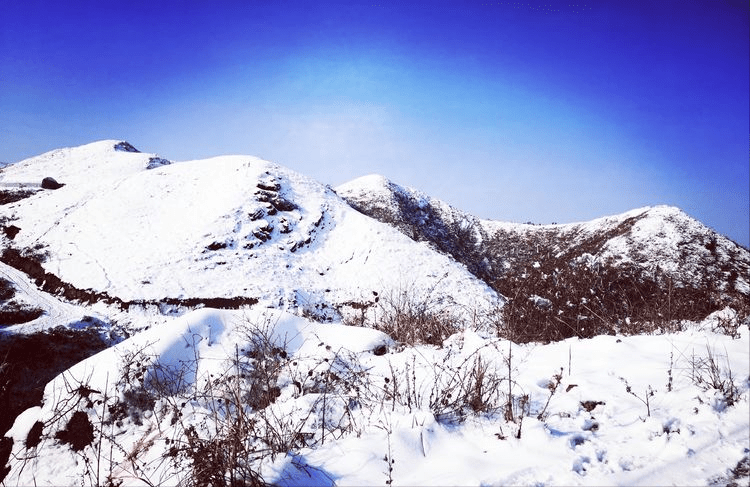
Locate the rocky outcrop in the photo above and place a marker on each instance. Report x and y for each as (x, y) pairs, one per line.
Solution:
(154, 162)
(125, 147)
(50, 183)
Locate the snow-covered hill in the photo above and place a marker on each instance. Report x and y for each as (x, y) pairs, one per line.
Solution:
(129, 231)
(648, 264)
(660, 236)
(218, 396)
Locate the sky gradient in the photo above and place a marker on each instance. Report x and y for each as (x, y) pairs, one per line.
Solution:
(517, 111)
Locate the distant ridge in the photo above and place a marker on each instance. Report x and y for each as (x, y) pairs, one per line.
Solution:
(652, 264)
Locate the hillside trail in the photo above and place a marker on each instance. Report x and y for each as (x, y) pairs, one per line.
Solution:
(56, 312)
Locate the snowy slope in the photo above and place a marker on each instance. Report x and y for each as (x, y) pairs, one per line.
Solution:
(662, 236)
(232, 226)
(344, 414)
(54, 311)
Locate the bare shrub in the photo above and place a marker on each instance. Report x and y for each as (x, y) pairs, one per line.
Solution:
(645, 398)
(708, 373)
(221, 449)
(456, 387)
(553, 300)
(552, 387)
(413, 317)
(729, 320)
(473, 387)
(243, 423)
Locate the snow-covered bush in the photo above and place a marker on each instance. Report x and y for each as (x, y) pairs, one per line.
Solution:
(708, 373)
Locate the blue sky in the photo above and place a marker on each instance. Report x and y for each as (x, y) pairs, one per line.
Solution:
(520, 111)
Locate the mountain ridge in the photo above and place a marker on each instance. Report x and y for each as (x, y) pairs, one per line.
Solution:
(159, 224)
(632, 263)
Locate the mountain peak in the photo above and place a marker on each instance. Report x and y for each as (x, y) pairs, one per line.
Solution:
(371, 181)
(85, 166)
(370, 186)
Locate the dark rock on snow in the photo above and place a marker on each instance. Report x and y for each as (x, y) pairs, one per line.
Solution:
(154, 162)
(50, 183)
(125, 147)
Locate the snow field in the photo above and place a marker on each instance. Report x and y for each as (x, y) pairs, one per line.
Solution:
(351, 404)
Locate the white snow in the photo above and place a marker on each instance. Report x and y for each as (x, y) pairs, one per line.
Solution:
(55, 310)
(688, 435)
(23, 423)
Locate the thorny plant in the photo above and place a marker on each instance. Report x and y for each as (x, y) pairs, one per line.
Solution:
(707, 373)
(457, 387)
(552, 387)
(388, 457)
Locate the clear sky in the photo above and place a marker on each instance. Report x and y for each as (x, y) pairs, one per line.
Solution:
(520, 111)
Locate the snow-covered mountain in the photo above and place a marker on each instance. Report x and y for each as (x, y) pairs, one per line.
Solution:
(645, 263)
(229, 321)
(651, 237)
(226, 231)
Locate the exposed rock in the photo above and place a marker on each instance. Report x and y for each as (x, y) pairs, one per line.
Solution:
(216, 246)
(263, 233)
(50, 183)
(284, 225)
(283, 204)
(154, 162)
(269, 185)
(125, 147)
(276, 201)
(11, 231)
(257, 214)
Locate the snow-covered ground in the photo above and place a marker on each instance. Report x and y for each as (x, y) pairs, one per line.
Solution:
(343, 407)
(55, 310)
